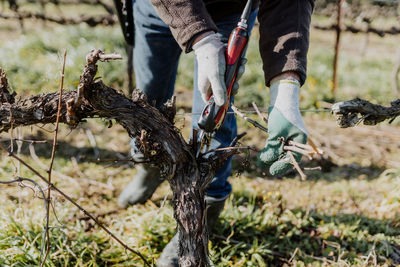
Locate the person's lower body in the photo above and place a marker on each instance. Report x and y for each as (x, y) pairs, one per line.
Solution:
(156, 56)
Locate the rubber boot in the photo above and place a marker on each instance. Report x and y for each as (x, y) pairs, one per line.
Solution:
(169, 256)
(142, 187)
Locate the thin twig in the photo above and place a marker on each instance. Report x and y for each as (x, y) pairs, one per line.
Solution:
(116, 160)
(301, 145)
(259, 113)
(304, 149)
(298, 150)
(318, 168)
(53, 153)
(92, 21)
(12, 131)
(112, 56)
(21, 179)
(229, 148)
(393, 30)
(296, 165)
(253, 122)
(261, 110)
(28, 141)
(314, 147)
(293, 254)
(237, 138)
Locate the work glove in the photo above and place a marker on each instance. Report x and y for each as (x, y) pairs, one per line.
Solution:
(284, 124)
(210, 56)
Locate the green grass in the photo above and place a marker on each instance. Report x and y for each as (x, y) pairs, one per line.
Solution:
(33, 61)
(367, 76)
(347, 216)
(258, 227)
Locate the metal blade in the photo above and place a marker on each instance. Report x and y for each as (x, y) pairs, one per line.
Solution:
(204, 141)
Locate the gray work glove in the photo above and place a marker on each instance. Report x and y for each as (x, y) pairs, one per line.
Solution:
(210, 56)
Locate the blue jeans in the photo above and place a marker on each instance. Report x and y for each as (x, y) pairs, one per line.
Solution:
(156, 56)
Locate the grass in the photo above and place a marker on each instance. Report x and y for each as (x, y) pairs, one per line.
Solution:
(348, 216)
(43, 52)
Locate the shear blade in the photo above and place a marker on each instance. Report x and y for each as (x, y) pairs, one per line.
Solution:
(205, 141)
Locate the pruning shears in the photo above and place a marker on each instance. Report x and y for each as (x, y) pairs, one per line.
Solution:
(213, 115)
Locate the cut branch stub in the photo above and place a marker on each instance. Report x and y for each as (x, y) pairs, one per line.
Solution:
(90, 71)
(5, 96)
(351, 113)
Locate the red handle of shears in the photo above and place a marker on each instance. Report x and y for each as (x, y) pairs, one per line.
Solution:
(213, 115)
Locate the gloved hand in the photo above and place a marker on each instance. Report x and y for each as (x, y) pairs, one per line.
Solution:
(210, 55)
(284, 123)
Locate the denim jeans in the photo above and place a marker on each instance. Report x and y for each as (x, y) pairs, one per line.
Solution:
(156, 56)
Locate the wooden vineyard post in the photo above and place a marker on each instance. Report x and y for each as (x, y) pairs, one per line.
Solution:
(337, 46)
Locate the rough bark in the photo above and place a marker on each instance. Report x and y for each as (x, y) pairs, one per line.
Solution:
(156, 136)
(5, 96)
(351, 113)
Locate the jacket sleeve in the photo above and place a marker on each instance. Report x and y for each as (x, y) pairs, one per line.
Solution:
(186, 18)
(284, 36)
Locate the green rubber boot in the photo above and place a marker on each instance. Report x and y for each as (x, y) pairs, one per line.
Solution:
(169, 256)
(142, 187)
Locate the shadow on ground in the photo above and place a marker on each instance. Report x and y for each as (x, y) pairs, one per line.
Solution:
(246, 164)
(67, 150)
